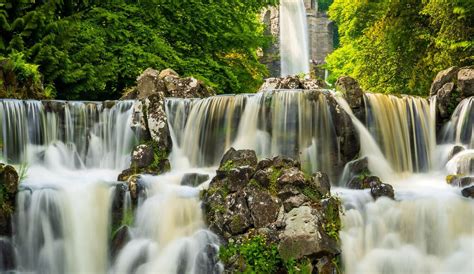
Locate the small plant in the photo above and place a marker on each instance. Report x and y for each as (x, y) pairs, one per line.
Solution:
(227, 166)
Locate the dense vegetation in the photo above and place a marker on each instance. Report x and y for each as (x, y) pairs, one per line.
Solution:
(93, 49)
(399, 46)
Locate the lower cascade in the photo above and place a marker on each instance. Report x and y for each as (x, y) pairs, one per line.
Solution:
(238, 164)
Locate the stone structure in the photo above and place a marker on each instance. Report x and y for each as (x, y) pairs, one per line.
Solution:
(321, 33)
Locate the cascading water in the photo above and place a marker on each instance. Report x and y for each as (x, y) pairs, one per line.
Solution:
(285, 122)
(294, 43)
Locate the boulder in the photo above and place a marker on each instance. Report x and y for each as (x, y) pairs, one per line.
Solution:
(157, 122)
(142, 156)
(193, 179)
(290, 82)
(302, 236)
(468, 192)
(455, 150)
(351, 91)
(237, 218)
(9, 181)
(466, 82)
(445, 99)
(382, 190)
(443, 77)
(233, 158)
(263, 207)
(147, 84)
(322, 183)
(167, 72)
(377, 188)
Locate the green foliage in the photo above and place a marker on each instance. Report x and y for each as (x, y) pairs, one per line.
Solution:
(258, 256)
(91, 49)
(276, 173)
(227, 166)
(399, 46)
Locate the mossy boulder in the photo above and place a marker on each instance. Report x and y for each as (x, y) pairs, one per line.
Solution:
(9, 181)
(248, 199)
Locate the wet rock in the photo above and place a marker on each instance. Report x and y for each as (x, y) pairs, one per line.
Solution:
(7, 256)
(443, 77)
(138, 121)
(468, 192)
(142, 156)
(445, 99)
(118, 203)
(455, 150)
(351, 91)
(237, 217)
(237, 178)
(9, 181)
(157, 122)
(322, 183)
(466, 81)
(459, 180)
(263, 207)
(236, 158)
(382, 190)
(290, 82)
(313, 84)
(302, 236)
(120, 238)
(194, 179)
(270, 84)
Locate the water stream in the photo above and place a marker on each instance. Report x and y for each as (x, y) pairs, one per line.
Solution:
(75, 150)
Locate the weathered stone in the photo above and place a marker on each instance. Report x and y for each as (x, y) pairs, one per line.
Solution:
(351, 91)
(382, 190)
(237, 178)
(236, 158)
(138, 121)
(118, 203)
(167, 72)
(270, 84)
(324, 265)
(322, 183)
(146, 83)
(263, 207)
(443, 77)
(294, 202)
(466, 82)
(237, 218)
(9, 181)
(194, 179)
(157, 122)
(290, 82)
(468, 192)
(292, 176)
(312, 84)
(142, 156)
(119, 240)
(302, 236)
(445, 100)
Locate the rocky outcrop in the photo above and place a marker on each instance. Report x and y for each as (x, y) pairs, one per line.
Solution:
(353, 94)
(450, 87)
(377, 188)
(275, 200)
(291, 82)
(169, 84)
(9, 181)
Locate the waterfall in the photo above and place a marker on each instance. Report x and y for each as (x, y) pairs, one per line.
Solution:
(297, 124)
(294, 43)
(403, 129)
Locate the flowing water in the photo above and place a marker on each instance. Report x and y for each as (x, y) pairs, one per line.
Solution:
(75, 151)
(294, 42)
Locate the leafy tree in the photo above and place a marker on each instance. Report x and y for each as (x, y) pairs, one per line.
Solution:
(399, 46)
(91, 49)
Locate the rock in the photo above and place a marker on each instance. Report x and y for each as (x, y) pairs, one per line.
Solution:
(157, 122)
(9, 181)
(443, 77)
(381, 190)
(142, 156)
(118, 204)
(168, 72)
(270, 84)
(237, 178)
(468, 192)
(263, 207)
(445, 100)
(237, 218)
(188, 87)
(322, 183)
(358, 166)
(294, 201)
(302, 236)
(7, 256)
(351, 91)
(313, 84)
(290, 82)
(236, 158)
(120, 238)
(455, 150)
(193, 179)
(324, 265)
(459, 180)
(147, 83)
(466, 81)
(138, 121)
(292, 176)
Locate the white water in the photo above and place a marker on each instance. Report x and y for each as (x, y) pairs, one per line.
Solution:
(294, 43)
(63, 222)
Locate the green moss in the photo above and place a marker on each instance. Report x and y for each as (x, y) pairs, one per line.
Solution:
(311, 193)
(302, 266)
(227, 166)
(275, 174)
(254, 183)
(332, 224)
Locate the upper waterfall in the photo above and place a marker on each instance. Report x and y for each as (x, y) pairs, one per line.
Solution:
(294, 43)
